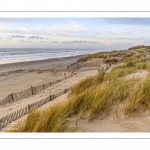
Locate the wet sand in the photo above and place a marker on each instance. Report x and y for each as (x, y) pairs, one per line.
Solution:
(39, 64)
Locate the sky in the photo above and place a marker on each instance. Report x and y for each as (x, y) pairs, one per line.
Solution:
(76, 33)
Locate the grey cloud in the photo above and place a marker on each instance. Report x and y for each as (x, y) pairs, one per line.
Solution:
(124, 38)
(146, 42)
(129, 43)
(43, 42)
(17, 36)
(1, 38)
(35, 37)
(65, 42)
(78, 42)
(55, 42)
(25, 41)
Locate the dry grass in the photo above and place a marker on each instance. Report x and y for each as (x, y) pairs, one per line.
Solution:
(94, 96)
(53, 119)
(132, 53)
(139, 97)
(97, 99)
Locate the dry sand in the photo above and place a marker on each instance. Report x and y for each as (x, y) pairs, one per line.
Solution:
(69, 82)
(139, 122)
(17, 80)
(15, 77)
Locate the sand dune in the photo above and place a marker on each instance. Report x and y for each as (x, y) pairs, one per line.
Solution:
(17, 81)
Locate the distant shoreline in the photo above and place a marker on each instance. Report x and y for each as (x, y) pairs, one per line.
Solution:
(51, 62)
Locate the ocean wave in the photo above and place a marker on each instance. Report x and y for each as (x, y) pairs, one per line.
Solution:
(17, 55)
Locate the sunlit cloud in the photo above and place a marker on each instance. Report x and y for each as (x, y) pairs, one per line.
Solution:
(109, 43)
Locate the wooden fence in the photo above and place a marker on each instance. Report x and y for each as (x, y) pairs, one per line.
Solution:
(33, 90)
(23, 111)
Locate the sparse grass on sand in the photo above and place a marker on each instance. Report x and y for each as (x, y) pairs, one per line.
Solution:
(123, 55)
(94, 97)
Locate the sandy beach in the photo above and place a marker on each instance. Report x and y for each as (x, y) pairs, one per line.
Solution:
(20, 76)
(16, 77)
(51, 63)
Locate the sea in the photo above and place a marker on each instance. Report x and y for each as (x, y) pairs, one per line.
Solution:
(13, 55)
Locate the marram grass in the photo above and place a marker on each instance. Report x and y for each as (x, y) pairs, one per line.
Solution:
(93, 98)
(52, 119)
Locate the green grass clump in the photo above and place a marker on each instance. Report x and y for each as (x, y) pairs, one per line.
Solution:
(143, 66)
(96, 55)
(130, 64)
(127, 55)
(119, 72)
(111, 60)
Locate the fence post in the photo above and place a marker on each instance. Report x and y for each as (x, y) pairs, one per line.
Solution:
(29, 107)
(12, 97)
(32, 90)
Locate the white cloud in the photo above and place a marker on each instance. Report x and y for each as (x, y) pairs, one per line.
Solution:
(24, 30)
(137, 30)
(66, 30)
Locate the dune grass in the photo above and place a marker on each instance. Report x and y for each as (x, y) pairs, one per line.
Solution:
(132, 53)
(97, 99)
(139, 97)
(94, 97)
(52, 119)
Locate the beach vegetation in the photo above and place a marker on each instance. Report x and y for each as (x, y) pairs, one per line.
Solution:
(94, 97)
